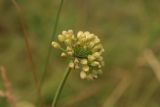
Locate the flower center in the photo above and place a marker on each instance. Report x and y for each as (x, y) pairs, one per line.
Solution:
(81, 52)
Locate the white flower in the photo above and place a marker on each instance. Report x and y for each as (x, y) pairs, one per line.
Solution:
(85, 51)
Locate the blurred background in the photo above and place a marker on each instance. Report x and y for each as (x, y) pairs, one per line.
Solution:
(130, 33)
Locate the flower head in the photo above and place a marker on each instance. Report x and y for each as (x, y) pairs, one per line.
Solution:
(85, 51)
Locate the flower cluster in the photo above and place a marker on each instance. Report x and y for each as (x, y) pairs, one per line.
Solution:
(85, 51)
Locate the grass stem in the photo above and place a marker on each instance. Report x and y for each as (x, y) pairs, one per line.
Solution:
(7, 85)
(29, 52)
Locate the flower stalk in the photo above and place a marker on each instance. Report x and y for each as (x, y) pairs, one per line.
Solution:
(49, 48)
(60, 87)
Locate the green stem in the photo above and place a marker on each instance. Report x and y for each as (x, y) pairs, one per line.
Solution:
(60, 87)
(52, 37)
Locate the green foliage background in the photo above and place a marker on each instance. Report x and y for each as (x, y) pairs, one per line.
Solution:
(126, 27)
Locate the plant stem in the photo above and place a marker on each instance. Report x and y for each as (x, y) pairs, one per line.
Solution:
(7, 85)
(49, 46)
(29, 52)
(60, 87)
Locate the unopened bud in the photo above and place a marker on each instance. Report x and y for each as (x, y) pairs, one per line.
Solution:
(63, 54)
(84, 61)
(71, 65)
(70, 53)
(86, 68)
(55, 45)
(95, 63)
(61, 38)
(83, 75)
(91, 58)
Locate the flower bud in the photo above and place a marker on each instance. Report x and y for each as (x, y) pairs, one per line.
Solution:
(97, 48)
(70, 53)
(90, 37)
(63, 54)
(100, 58)
(99, 72)
(86, 33)
(79, 34)
(69, 48)
(91, 44)
(97, 40)
(76, 61)
(85, 68)
(97, 54)
(91, 58)
(68, 42)
(77, 66)
(55, 45)
(84, 61)
(68, 36)
(83, 75)
(71, 65)
(70, 31)
(61, 38)
(64, 32)
(95, 63)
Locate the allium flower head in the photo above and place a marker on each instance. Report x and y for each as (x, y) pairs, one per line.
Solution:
(85, 51)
